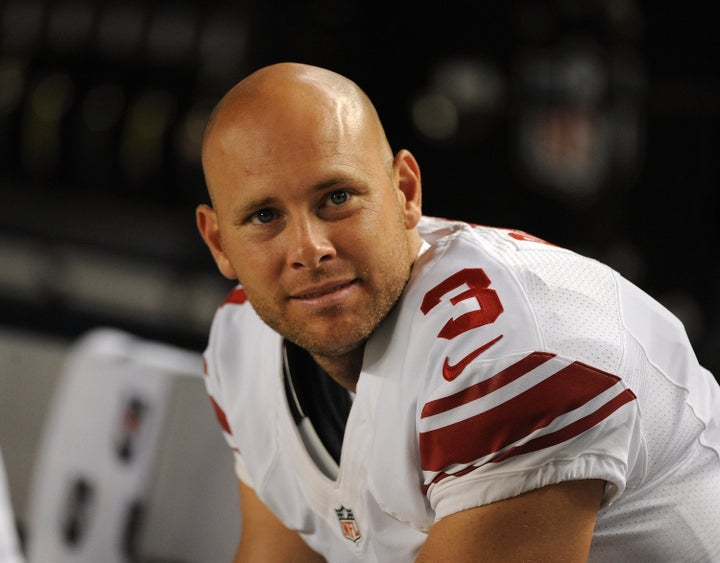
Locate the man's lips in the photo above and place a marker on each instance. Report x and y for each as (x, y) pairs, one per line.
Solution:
(317, 291)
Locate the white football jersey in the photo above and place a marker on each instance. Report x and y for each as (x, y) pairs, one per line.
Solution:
(509, 364)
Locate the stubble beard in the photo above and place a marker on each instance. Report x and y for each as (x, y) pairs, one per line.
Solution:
(339, 331)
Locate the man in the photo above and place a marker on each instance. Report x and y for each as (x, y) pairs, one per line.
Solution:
(398, 387)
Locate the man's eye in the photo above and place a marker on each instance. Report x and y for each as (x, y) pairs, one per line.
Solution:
(264, 216)
(338, 197)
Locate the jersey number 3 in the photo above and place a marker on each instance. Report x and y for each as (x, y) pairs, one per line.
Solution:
(478, 284)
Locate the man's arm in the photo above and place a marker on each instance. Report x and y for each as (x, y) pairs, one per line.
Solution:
(553, 523)
(264, 538)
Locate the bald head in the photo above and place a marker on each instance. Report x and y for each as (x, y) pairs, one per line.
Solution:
(289, 82)
(290, 106)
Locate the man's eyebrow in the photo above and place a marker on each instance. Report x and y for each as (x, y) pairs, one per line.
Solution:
(332, 182)
(241, 211)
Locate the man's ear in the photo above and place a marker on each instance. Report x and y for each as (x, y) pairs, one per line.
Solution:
(409, 183)
(207, 223)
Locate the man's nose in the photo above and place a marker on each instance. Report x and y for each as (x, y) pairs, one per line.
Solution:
(309, 243)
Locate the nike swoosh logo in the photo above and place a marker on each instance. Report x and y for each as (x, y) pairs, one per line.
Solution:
(451, 372)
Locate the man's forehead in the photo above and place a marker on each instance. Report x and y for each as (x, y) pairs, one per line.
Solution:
(263, 149)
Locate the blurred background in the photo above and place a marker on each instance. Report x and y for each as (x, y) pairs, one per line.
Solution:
(594, 125)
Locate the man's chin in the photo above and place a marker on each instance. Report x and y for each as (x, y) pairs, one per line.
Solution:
(328, 337)
(334, 350)
(333, 344)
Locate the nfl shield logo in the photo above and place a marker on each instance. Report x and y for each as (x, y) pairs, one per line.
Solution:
(347, 523)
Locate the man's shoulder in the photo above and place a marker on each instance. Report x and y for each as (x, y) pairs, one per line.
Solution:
(234, 316)
(478, 284)
(513, 245)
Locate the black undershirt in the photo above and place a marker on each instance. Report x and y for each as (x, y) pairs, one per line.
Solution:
(319, 397)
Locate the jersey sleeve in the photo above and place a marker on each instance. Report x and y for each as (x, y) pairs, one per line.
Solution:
(214, 388)
(523, 379)
(532, 421)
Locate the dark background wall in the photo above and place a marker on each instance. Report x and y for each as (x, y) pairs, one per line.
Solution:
(594, 125)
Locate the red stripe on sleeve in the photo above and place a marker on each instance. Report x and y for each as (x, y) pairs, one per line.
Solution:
(516, 418)
(571, 430)
(220, 415)
(508, 375)
(552, 439)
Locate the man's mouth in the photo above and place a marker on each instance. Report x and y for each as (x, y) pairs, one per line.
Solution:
(318, 291)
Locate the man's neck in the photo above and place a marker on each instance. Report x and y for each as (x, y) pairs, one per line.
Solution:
(344, 369)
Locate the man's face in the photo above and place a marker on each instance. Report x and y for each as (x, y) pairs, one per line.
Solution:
(315, 228)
